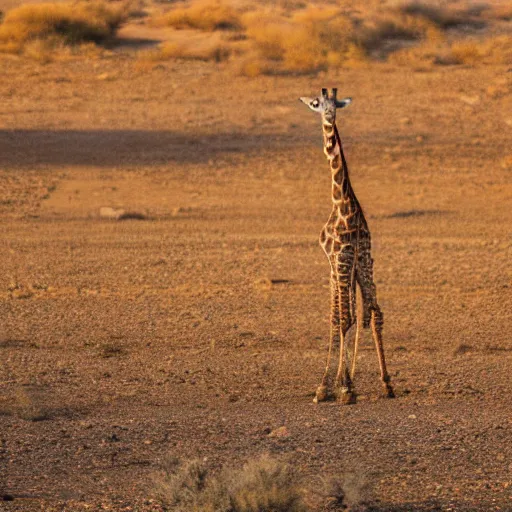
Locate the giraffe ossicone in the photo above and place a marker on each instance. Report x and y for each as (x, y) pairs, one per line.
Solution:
(346, 241)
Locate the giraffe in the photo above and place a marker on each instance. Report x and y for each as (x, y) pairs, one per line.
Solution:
(346, 241)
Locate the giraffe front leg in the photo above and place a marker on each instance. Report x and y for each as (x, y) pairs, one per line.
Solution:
(324, 391)
(345, 265)
(356, 345)
(343, 388)
(377, 322)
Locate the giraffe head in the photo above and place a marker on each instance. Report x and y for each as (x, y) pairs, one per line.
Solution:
(326, 104)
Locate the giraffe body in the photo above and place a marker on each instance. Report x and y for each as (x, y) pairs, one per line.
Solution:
(346, 242)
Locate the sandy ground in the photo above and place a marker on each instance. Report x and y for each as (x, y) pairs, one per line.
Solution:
(199, 330)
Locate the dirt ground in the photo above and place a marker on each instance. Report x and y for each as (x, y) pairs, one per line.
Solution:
(202, 328)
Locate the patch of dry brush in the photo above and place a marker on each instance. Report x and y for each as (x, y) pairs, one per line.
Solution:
(261, 485)
(34, 28)
(207, 15)
(300, 38)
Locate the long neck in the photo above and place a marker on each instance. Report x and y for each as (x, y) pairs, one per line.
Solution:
(341, 187)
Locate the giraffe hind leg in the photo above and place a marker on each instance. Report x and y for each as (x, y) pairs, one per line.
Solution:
(356, 345)
(377, 322)
(359, 327)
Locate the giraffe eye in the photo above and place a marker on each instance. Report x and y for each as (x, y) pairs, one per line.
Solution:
(315, 103)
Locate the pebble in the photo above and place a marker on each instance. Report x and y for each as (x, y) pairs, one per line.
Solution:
(279, 432)
(106, 212)
(470, 100)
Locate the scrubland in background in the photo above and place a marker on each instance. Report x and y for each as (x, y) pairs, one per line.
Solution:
(268, 38)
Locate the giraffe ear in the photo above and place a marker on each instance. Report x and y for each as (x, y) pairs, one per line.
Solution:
(343, 103)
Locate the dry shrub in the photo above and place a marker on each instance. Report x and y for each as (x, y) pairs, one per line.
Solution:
(396, 26)
(497, 50)
(207, 51)
(500, 12)
(493, 50)
(464, 52)
(312, 39)
(252, 65)
(348, 491)
(443, 17)
(268, 31)
(419, 58)
(320, 37)
(54, 25)
(261, 485)
(207, 15)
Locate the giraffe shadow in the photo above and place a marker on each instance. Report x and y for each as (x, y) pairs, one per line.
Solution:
(110, 148)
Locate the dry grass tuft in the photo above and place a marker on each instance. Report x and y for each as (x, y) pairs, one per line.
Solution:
(261, 485)
(207, 15)
(493, 50)
(40, 28)
(208, 51)
(346, 492)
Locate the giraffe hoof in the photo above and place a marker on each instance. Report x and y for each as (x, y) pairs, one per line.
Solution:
(388, 391)
(348, 398)
(345, 396)
(321, 394)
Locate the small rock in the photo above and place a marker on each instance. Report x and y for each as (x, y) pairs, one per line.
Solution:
(180, 210)
(22, 294)
(506, 163)
(412, 416)
(470, 100)
(106, 212)
(279, 432)
(106, 76)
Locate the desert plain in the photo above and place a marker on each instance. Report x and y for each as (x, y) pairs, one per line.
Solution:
(196, 325)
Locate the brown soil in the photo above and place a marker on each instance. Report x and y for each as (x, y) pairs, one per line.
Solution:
(201, 328)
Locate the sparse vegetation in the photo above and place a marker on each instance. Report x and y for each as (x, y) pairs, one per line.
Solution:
(210, 50)
(289, 37)
(261, 485)
(444, 17)
(207, 15)
(493, 50)
(294, 37)
(35, 29)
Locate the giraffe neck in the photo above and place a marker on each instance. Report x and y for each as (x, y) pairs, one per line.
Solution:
(341, 187)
